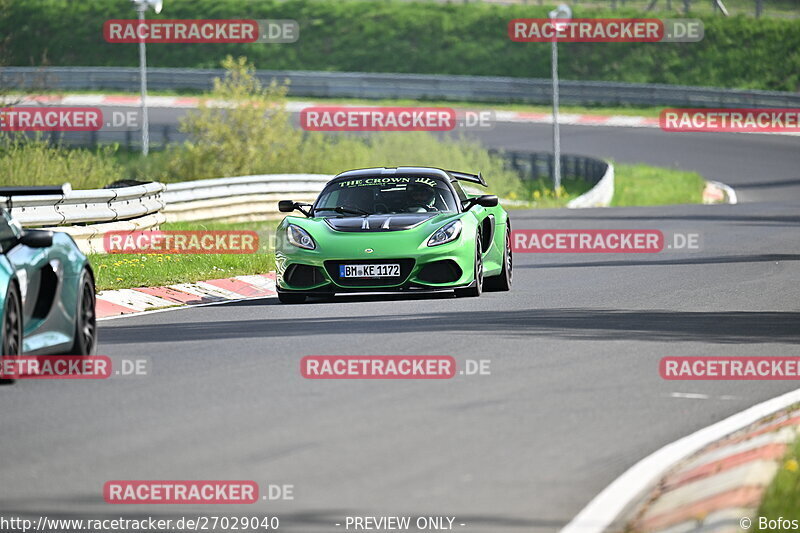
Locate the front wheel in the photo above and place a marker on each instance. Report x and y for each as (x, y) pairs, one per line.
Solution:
(477, 289)
(502, 282)
(85, 340)
(11, 327)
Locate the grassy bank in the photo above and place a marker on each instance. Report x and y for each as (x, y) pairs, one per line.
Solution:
(122, 271)
(782, 496)
(643, 185)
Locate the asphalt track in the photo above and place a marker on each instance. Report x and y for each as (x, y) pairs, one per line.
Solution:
(574, 396)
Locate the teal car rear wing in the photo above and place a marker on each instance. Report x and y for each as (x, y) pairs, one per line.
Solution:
(7, 193)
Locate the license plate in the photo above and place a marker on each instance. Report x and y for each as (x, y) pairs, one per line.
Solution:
(369, 271)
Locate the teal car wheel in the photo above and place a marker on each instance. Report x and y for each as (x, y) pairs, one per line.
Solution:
(12, 325)
(85, 342)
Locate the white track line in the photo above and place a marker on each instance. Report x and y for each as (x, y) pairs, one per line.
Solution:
(607, 506)
(690, 395)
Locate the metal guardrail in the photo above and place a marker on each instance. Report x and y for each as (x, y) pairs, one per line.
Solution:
(88, 206)
(88, 214)
(243, 197)
(597, 172)
(240, 198)
(538, 165)
(406, 86)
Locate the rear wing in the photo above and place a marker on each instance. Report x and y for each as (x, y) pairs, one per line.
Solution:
(472, 178)
(7, 193)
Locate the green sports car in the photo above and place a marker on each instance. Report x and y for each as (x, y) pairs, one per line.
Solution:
(404, 229)
(47, 295)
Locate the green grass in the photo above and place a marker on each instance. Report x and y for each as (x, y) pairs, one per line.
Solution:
(782, 497)
(122, 271)
(643, 185)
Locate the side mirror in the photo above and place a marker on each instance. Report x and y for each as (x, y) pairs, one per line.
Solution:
(486, 200)
(286, 206)
(36, 238)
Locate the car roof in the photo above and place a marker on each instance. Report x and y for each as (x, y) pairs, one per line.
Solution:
(395, 171)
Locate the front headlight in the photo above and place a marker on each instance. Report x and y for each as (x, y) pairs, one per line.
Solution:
(300, 237)
(447, 233)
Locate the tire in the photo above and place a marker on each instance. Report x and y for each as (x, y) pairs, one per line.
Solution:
(12, 327)
(472, 292)
(85, 339)
(502, 282)
(291, 298)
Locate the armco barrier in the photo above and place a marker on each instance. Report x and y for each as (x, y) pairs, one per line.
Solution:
(597, 172)
(240, 198)
(88, 206)
(404, 86)
(88, 214)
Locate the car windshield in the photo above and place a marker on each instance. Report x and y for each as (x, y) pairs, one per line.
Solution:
(386, 195)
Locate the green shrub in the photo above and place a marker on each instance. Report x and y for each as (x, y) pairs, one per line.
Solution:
(35, 162)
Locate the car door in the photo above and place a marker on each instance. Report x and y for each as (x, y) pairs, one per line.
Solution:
(39, 281)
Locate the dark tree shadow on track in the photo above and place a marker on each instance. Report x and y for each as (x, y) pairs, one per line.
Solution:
(722, 327)
(725, 259)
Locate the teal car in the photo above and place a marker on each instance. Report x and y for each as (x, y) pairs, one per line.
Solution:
(404, 229)
(47, 292)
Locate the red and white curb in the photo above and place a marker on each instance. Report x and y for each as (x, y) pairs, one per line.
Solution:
(122, 302)
(608, 510)
(529, 117)
(720, 485)
(194, 102)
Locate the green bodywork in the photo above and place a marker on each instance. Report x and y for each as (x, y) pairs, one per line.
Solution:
(489, 224)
